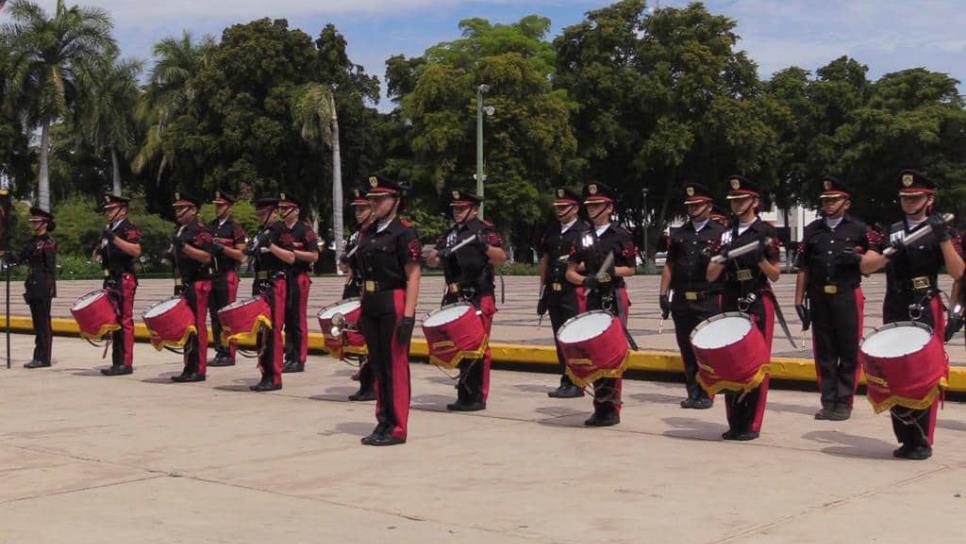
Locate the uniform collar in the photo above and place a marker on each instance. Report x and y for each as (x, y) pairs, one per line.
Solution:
(381, 226)
(698, 227)
(601, 229)
(565, 227)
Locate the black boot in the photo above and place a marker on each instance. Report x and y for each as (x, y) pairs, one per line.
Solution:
(603, 419)
(222, 359)
(188, 376)
(36, 364)
(293, 366)
(119, 370)
(567, 390)
(266, 385)
(363, 395)
(841, 412)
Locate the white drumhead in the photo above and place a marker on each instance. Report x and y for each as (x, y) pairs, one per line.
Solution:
(162, 307)
(238, 304)
(342, 307)
(87, 300)
(446, 314)
(896, 341)
(584, 327)
(721, 332)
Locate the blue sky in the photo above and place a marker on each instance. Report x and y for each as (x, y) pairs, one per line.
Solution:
(886, 35)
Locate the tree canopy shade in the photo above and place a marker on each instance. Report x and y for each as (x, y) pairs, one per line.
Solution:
(528, 139)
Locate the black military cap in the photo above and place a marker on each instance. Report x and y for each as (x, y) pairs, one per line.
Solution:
(834, 188)
(696, 193)
(741, 187)
(566, 197)
(287, 200)
(266, 202)
(114, 201)
(381, 186)
(913, 183)
(359, 198)
(184, 199)
(465, 198)
(39, 214)
(221, 197)
(597, 192)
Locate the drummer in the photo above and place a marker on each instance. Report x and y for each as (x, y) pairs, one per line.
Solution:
(389, 254)
(558, 297)
(694, 298)
(305, 247)
(192, 279)
(912, 290)
(603, 289)
(272, 251)
(227, 250)
(39, 253)
(828, 296)
(747, 289)
(118, 251)
(469, 273)
(349, 265)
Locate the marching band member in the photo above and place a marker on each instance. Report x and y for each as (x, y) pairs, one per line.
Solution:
(912, 291)
(305, 247)
(272, 250)
(228, 251)
(694, 297)
(192, 268)
(349, 264)
(603, 289)
(389, 254)
(746, 288)
(118, 251)
(829, 278)
(40, 287)
(469, 278)
(558, 297)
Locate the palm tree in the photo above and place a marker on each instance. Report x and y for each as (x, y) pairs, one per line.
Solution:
(314, 111)
(168, 95)
(107, 116)
(51, 56)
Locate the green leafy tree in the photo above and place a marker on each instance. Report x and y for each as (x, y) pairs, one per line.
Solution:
(50, 56)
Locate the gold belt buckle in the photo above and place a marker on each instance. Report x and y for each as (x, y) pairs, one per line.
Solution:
(261, 276)
(370, 286)
(453, 288)
(691, 295)
(744, 274)
(557, 286)
(830, 289)
(920, 282)
(177, 281)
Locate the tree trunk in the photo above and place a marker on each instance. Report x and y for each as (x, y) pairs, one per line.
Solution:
(43, 174)
(117, 171)
(336, 184)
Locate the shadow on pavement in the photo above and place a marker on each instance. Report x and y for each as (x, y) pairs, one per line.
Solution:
(851, 445)
(689, 427)
(335, 394)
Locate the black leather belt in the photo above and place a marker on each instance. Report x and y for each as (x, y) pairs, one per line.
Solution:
(918, 284)
(371, 286)
(694, 296)
(833, 288)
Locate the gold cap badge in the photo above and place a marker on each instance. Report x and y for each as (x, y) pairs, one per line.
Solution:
(281, 196)
(827, 184)
(735, 184)
(373, 181)
(592, 188)
(560, 193)
(689, 190)
(177, 196)
(456, 195)
(907, 180)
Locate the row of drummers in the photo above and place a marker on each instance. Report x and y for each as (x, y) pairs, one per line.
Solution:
(716, 285)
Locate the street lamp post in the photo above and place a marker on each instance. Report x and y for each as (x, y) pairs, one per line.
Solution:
(479, 142)
(644, 225)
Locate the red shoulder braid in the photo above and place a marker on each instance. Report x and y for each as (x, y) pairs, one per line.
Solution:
(406, 223)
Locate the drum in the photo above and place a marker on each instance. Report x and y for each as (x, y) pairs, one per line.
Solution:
(241, 320)
(593, 346)
(170, 323)
(905, 365)
(351, 341)
(453, 333)
(731, 351)
(95, 314)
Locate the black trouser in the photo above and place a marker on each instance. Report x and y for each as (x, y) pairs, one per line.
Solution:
(746, 411)
(381, 313)
(40, 314)
(562, 306)
(914, 427)
(474, 381)
(836, 331)
(687, 314)
(353, 289)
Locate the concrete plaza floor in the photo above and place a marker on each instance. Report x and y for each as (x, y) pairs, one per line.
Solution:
(90, 459)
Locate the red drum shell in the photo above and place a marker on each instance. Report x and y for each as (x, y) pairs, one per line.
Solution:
(241, 320)
(352, 341)
(454, 333)
(170, 323)
(95, 314)
(736, 358)
(911, 380)
(590, 355)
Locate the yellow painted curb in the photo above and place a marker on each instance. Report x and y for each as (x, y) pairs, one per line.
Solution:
(782, 368)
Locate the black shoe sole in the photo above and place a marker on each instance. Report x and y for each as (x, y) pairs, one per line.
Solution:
(362, 398)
